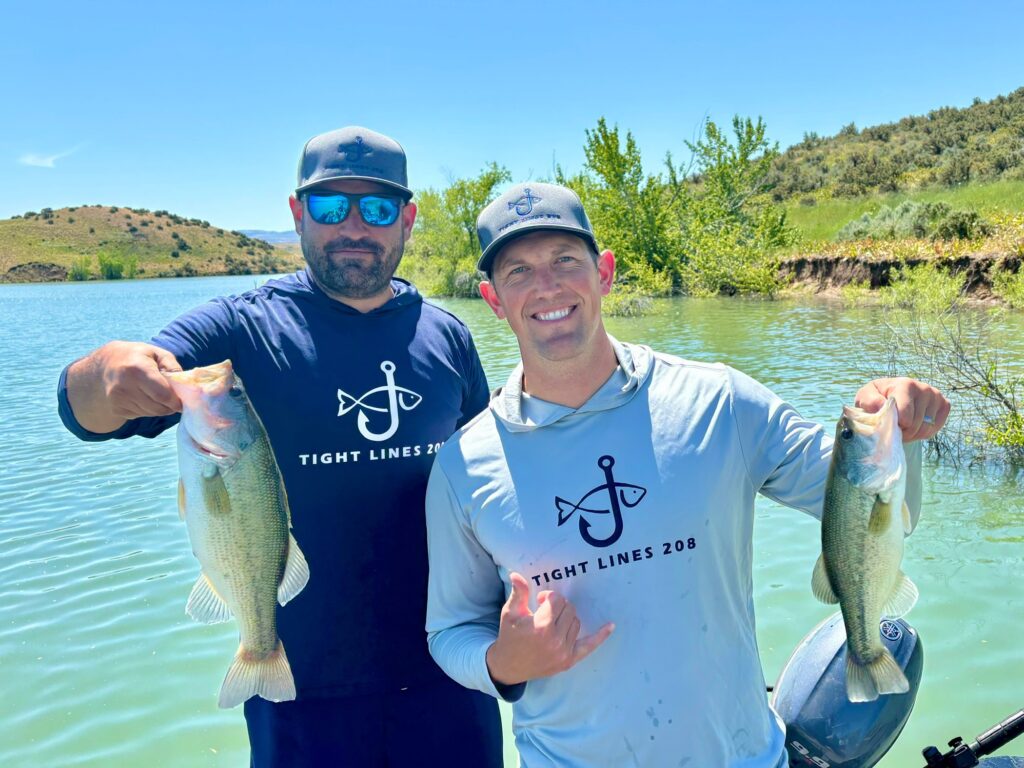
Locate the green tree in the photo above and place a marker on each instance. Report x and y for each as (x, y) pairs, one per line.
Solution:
(442, 254)
(731, 230)
(630, 211)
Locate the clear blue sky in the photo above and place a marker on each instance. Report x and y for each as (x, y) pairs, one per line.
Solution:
(202, 108)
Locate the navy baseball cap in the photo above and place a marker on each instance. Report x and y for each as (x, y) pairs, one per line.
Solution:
(353, 153)
(528, 208)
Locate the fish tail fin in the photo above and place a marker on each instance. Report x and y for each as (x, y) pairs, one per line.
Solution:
(269, 677)
(882, 675)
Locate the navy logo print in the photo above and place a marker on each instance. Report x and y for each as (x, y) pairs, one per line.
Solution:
(617, 495)
(525, 203)
(355, 152)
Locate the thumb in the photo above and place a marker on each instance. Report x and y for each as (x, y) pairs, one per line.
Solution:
(519, 600)
(165, 361)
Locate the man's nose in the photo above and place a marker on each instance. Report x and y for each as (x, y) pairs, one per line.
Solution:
(547, 280)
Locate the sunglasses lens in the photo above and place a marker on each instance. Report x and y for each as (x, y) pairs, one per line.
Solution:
(328, 209)
(379, 211)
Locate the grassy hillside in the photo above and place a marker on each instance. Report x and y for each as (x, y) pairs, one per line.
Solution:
(78, 242)
(824, 219)
(947, 147)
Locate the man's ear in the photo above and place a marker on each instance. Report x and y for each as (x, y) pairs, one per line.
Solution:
(488, 294)
(296, 205)
(606, 271)
(408, 218)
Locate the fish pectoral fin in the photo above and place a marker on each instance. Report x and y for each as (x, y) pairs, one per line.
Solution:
(215, 494)
(269, 677)
(821, 585)
(881, 517)
(902, 599)
(908, 526)
(205, 605)
(296, 573)
(181, 498)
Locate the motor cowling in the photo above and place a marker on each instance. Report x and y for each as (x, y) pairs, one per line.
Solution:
(824, 729)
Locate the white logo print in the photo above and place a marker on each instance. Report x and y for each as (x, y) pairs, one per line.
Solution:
(398, 397)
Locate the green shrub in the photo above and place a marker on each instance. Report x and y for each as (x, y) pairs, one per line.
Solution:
(80, 268)
(923, 288)
(111, 267)
(961, 225)
(1009, 287)
(626, 300)
(937, 221)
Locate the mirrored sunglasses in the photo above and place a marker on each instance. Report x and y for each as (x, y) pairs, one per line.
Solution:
(333, 208)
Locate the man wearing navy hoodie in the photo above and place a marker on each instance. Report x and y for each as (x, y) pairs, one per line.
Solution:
(358, 381)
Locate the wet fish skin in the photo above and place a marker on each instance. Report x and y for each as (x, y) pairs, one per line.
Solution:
(863, 525)
(234, 504)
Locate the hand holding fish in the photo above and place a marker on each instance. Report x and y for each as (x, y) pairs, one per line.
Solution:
(541, 643)
(119, 381)
(922, 408)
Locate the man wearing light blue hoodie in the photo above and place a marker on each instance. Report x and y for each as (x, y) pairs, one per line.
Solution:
(590, 532)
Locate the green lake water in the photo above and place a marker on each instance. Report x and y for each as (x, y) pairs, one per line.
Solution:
(99, 665)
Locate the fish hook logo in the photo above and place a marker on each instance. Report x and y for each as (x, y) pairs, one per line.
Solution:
(525, 203)
(397, 398)
(619, 495)
(355, 152)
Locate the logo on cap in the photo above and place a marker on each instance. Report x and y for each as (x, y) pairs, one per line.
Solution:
(355, 152)
(525, 203)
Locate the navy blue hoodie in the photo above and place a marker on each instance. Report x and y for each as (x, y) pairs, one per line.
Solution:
(356, 406)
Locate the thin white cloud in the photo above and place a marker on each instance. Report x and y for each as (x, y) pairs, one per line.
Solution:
(45, 161)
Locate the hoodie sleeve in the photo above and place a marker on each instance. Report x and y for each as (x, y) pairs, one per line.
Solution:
(787, 456)
(465, 594)
(476, 391)
(198, 337)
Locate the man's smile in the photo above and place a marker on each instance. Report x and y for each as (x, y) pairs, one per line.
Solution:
(553, 315)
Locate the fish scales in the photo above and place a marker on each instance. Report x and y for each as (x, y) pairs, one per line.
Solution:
(864, 522)
(235, 507)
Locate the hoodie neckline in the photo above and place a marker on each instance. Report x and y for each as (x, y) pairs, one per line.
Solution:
(635, 363)
(405, 295)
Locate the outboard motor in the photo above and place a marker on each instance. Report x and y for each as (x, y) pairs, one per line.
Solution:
(824, 729)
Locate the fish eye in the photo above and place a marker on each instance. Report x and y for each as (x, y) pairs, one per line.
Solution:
(846, 434)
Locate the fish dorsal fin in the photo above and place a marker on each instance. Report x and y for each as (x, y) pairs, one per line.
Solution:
(205, 605)
(296, 573)
(881, 517)
(820, 583)
(908, 525)
(904, 596)
(215, 494)
(181, 498)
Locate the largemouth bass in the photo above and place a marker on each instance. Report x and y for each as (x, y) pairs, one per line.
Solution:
(863, 524)
(233, 501)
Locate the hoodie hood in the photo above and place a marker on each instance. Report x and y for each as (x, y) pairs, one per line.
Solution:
(635, 364)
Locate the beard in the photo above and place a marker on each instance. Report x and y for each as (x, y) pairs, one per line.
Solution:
(352, 278)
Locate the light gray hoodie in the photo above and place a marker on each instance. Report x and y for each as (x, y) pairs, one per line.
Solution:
(638, 508)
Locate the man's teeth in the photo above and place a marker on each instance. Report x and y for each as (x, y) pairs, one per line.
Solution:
(558, 314)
